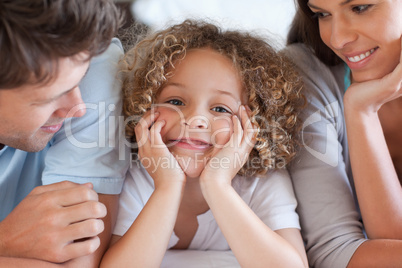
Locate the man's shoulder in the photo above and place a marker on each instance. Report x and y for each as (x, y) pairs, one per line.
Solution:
(102, 82)
(113, 52)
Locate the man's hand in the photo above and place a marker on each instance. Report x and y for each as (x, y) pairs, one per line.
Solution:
(54, 223)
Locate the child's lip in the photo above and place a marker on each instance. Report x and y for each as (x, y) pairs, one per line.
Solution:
(191, 143)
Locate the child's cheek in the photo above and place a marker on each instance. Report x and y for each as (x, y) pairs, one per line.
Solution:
(221, 130)
(171, 116)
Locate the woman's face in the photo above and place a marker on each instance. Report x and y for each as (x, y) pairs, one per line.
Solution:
(366, 34)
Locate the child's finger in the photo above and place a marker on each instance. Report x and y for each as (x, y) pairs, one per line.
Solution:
(142, 128)
(249, 139)
(237, 131)
(248, 127)
(155, 132)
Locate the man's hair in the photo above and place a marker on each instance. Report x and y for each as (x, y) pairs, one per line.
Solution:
(304, 29)
(36, 34)
(272, 85)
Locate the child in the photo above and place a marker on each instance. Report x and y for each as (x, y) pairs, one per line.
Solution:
(203, 182)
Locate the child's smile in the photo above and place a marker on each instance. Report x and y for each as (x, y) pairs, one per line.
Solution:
(192, 144)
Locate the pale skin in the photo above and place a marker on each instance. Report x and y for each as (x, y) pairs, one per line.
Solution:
(186, 190)
(59, 223)
(373, 116)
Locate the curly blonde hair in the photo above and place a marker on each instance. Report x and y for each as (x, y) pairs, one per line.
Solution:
(272, 85)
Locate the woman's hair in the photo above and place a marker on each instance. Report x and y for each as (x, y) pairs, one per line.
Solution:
(36, 34)
(271, 83)
(304, 29)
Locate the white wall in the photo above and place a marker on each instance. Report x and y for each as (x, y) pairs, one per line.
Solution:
(269, 17)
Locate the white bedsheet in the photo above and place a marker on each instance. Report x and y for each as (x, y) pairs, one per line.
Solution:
(199, 259)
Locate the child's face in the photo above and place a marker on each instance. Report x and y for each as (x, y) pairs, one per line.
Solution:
(197, 103)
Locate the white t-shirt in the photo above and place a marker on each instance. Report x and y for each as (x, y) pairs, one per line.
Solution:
(270, 196)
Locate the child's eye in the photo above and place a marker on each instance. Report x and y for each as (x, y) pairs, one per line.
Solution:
(220, 109)
(360, 9)
(175, 102)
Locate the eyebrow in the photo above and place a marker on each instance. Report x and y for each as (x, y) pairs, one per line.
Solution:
(63, 93)
(173, 84)
(225, 92)
(341, 4)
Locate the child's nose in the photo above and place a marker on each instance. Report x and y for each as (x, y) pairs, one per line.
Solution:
(197, 122)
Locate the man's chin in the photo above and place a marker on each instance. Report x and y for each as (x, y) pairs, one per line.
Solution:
(32, 146)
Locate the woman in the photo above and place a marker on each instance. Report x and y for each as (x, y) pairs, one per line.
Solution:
(335, 44)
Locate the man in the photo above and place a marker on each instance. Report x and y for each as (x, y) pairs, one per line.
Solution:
(51, 53)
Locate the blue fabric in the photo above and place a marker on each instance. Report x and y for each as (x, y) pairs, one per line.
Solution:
(347, 81)
(20, 172)
(85, 149)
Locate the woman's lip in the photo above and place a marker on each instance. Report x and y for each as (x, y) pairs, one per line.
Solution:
(52, 128)
(359, 60)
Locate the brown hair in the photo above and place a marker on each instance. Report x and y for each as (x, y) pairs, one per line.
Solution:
(304, 29)
(35, 34)
(272, 84)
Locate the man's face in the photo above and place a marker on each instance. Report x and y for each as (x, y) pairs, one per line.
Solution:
(31, 114)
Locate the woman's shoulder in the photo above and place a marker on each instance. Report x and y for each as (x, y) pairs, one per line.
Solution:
(323, 81)
(305, 60)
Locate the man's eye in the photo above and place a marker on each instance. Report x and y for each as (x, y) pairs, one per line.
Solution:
(220, 110)
(175, 102)
(360, 9)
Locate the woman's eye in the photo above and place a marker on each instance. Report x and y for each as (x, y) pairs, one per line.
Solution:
(220, 110)
(175, 102)
(320, 15)
(360, 8)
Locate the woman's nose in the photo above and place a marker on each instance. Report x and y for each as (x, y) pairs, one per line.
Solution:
(342, 33)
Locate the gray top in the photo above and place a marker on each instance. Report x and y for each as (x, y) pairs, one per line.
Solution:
(321, 173)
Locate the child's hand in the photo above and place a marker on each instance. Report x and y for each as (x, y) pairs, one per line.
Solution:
(369, 96)
(227, 161)
(153, 151)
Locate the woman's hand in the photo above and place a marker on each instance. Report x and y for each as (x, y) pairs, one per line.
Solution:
(373, 170)
(153, 152)
(369, 96)
(228, 160)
